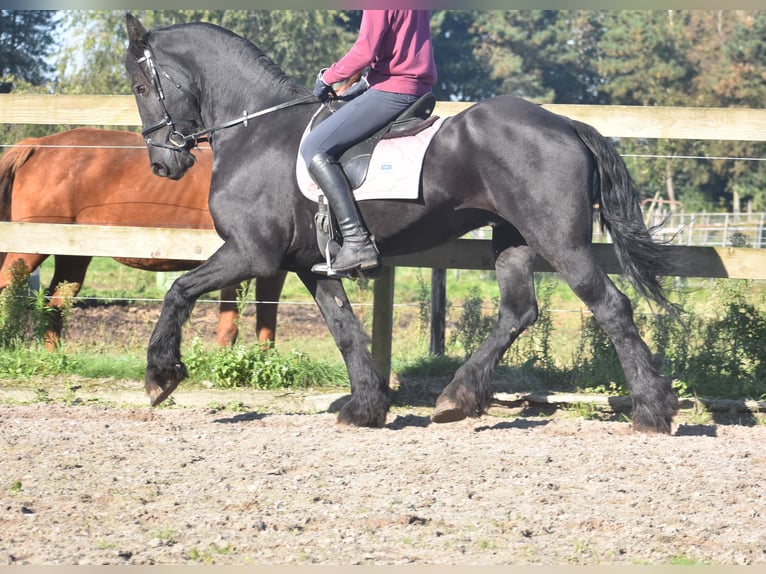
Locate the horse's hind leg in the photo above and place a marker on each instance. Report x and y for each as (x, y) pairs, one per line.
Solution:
(69, 270)
(228, 316)
(267, 293)
(470, 392)
(654, 401)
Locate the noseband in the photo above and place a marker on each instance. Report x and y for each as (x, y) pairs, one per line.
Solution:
(177, 140)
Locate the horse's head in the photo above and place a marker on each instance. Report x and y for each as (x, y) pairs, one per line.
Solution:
(168, 108)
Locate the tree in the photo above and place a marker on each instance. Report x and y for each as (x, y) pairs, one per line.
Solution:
(463, 75)
(25, 41)
(299, 41)
(543, 55)
(646, 62)
(739, 80)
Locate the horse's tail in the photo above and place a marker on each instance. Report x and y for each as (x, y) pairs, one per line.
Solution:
(10, 163)
(642, 259)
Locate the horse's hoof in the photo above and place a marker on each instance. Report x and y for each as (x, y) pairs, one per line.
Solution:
(157, 394)
(157, 391)
(447, 412)
(660, 428)
(353, 415)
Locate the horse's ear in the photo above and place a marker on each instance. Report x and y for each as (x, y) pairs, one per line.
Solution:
(136, 35)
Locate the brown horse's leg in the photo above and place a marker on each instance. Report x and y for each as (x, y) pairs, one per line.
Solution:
(30, 261)
(228, 316)
(267, 293)
(69, 270)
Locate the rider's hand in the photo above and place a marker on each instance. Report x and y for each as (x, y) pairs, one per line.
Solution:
(321, 90)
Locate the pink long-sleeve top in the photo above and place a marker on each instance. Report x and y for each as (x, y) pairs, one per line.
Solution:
(396, 45)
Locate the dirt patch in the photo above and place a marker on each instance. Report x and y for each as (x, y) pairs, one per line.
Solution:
(281, 482)
(132, 485)
(93, 325)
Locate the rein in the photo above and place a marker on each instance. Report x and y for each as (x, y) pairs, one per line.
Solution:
(241, 120)
(178, 140)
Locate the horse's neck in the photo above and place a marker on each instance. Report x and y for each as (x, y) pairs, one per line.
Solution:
(244, 81)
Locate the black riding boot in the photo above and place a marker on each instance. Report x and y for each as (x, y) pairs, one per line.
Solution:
(358, 251)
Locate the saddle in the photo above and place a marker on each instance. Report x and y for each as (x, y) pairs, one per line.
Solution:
(355, 161)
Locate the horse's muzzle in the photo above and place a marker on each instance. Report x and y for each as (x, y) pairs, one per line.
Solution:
(173, 167)
(162, 170)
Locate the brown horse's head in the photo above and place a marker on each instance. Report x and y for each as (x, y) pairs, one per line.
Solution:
(156, 92)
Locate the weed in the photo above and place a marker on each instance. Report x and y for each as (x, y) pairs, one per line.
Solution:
(26, 316)
(16, 487)
(165, 534)
(682, 560)
(70, 398)
(207, 555)
(473, 327)
(586, 411)
(254, 366)
(41, 395)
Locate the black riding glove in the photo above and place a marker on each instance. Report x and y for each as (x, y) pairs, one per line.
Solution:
(321, 90)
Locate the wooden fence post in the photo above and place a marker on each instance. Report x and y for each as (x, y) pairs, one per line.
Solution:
(383, 320)
(438, 310)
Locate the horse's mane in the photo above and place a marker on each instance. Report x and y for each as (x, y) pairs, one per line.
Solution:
(247, 55)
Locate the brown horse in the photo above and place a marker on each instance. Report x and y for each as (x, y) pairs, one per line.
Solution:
(94, 176)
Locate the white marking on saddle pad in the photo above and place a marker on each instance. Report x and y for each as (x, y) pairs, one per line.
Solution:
(394, 171)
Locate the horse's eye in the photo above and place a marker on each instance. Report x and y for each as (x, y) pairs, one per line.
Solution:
(141, 89)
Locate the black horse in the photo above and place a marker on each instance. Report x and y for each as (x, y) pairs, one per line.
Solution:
(532, 175)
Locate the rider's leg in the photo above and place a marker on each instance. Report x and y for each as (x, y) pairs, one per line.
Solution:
(358, 250)
(353, 122)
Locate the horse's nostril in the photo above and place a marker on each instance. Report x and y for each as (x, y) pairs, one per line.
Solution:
(159, 169)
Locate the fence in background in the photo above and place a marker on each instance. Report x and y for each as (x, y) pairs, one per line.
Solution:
(612, 121)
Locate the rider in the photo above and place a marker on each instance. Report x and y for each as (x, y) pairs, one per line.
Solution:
(396, 46)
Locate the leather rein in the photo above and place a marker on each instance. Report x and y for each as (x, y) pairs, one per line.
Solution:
(177, 140)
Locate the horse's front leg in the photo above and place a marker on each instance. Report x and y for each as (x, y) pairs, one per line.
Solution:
(164, 368)
(369, 402)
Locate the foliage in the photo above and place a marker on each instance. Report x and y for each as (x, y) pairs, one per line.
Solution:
(23, 316)
(26, 38)
(260, 367)
(596, 362)
(543, 55)
(33, 361)
(102, 35)
(464, 73)
(731, 359)
(473, 327)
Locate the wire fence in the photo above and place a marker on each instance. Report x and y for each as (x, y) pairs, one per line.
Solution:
(711, 229)
(692, 229)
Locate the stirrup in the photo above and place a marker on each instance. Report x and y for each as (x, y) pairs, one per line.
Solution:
(327, 269)
(353, 274)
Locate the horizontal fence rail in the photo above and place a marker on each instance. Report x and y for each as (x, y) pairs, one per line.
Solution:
(199, 244)
(738, 124)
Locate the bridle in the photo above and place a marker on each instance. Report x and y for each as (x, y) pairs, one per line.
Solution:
(177, 140)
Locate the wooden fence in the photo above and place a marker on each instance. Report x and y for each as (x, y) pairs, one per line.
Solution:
(612, 121)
